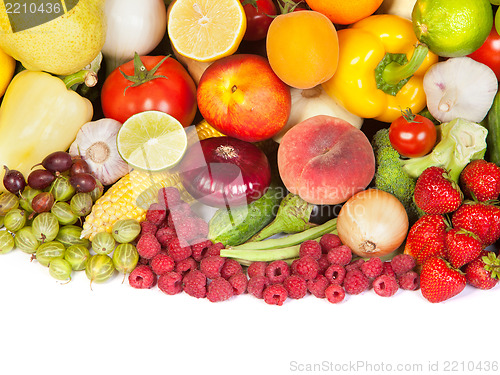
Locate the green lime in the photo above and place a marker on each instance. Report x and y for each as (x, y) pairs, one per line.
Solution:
(452, 28)
(495, 2)
(152, 141)
(497, 21)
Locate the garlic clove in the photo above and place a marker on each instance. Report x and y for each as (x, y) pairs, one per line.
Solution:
(95, 143)
(460, 87)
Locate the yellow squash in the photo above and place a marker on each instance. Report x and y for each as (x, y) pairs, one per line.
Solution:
(38, 115)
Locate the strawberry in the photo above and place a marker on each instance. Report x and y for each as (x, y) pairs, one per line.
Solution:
(484, 271)
(439, 281)
(483, 219)
(426, 238)
(480, 179)
(461, 247)
(436, 193)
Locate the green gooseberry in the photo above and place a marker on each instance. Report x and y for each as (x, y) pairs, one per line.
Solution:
(99, 268)
(126, 230)
(6, 242)
(70, 235)
(103, 243)
(125, 258)
(48, 251)
(26, 197)
(77, 256)
(15, 219)
(62, 189)
(45, 227)
(81, 204)
(26, 241)
(60, 269)
(8, 201)
(63, 213)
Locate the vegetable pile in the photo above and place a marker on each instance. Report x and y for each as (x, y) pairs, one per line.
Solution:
(308, 148)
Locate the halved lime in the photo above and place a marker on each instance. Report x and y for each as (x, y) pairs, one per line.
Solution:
(152, 141)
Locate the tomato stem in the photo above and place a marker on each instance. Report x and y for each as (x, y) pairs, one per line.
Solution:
(141, 73)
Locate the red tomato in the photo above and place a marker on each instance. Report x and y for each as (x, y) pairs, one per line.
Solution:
(489, 52)
(172, 91)
(412, 135)
(258, 19)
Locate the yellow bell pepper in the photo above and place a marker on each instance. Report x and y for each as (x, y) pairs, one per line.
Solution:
(39, 115)
(7, 67)
(381, 68)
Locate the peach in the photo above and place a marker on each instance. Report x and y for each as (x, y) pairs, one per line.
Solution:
(325, 160)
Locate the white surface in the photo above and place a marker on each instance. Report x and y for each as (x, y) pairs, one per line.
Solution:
(47, 327)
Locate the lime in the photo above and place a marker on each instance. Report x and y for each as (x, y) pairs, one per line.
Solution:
(452, 28)
(152, 141)
(497, 21)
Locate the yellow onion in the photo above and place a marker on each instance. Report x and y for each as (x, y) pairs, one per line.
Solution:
(372, 223)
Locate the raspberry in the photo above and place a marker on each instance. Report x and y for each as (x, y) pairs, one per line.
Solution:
(275, 294)
(355, 282)
(256, 285)
(329, 241)
(231, 267)
(239, 282)
(257, 269)
(179, 250)
(340, 255)
(200, 249)
(296, 286)
(162, 263)
(402, 263)
(212, 266)
(215, 249)
(202, 227)
(373, 267)
(311, 248)
(317, 286)
(169, 197)
(174, 218)
(323, 264)
(334, 293)
(387, 269)
(354, 265)
(186, 265)
(142, 277)
(219, 290)
(148, 227)
(306, 267)
(385, 286)
(156, 213)
(170, 283)
(187, 229)
(148, 246)
(195, 283)
(277, 271)
(335, 274)
(409, 281)
(143, 261)
(165, 235)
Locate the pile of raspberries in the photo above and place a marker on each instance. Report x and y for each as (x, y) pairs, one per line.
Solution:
(176, 255)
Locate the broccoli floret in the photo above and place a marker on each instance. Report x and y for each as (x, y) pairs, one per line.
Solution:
(461, 142)
(390, 175)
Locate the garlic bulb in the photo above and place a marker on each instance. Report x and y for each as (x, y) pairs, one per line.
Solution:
(96, 144)
(460, 87)
(312, 102)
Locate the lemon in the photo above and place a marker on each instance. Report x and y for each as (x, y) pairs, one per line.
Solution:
(152, 141)
(206, 30)
(7, 68)
(452, 28)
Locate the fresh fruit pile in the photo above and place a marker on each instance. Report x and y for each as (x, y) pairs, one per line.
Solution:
(337, 147)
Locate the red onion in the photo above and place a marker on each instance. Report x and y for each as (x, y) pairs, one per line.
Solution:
(231, 172)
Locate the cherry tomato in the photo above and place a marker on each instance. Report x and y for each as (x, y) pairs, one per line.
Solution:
(412, 135)
(169, 89)
(489, 52)
(259, 18)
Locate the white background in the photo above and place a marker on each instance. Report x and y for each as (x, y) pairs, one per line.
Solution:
(48, 327)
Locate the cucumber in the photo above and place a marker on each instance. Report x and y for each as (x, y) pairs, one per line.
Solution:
(493, 125)
(234, 227)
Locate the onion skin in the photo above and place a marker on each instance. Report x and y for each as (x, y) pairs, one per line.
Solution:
(373, 223)
(233, 172)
